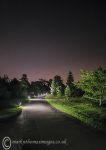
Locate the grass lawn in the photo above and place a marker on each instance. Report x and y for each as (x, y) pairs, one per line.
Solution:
(10, 111)
(81, 109)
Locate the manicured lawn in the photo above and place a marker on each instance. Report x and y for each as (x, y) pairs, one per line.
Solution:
(81, 109)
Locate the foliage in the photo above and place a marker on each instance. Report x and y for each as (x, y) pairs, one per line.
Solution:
(69, 85)
(57, 86)
(68, 92)
(60, 90)
(13, 91)
(24, 85)
(40, 87)
(4, 88)
(15, 87)
(10, 112)
(81, 109)
(94, 84)
(70, 78)
(77, 92)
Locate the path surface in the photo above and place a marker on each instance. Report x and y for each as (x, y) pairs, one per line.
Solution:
(39, 121)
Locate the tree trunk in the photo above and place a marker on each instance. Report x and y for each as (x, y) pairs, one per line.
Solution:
(100, 101)
(101, 96)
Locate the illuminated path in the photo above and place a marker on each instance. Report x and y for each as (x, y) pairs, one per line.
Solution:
(39, 121)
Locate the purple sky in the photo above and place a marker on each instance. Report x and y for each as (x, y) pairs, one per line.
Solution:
(45, 39)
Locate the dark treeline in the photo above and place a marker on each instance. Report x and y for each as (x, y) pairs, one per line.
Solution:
(92, 85)
(15, 91)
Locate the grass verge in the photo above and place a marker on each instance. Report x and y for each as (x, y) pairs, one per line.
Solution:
(10, 112)
(81, 109)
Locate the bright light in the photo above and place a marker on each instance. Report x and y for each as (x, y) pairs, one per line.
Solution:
(20, 104)
(29, 97)
(37, 108)
(35, 99)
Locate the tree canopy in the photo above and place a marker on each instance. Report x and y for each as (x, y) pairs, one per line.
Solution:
(94, 84)
(57, 86)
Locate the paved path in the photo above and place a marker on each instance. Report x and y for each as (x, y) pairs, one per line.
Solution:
(39, 121)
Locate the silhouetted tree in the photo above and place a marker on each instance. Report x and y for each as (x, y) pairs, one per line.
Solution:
(15, 87)
(78, 92)
(5, 92)
(25, 85)
(69, 85)
(40, 87)
(4, 88)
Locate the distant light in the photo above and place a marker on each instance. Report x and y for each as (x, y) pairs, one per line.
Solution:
(29, 97)
(37, 108)
(20, 104)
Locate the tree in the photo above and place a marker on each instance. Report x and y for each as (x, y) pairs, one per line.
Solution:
(4, 88)
(10, 91)
(70, 78)
(40, 87)
(69, 85)
(45, 86)
(67, 92)
(57, 86)
(78, 92)
(16, 89)
(5, 92)
(60, 90)
(53, 88)
(25, 85)
(94, 84)
(36, 87)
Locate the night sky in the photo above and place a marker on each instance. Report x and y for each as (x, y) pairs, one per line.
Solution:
(44, 39)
